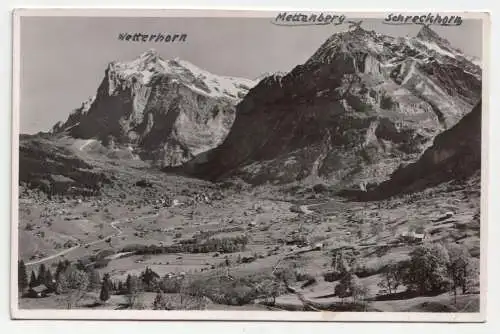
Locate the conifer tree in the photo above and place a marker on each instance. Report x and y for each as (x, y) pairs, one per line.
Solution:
(104, 295)
(48, 279)
(40, 279)
(33, 279)
(120, 286)
(22, 276)
(128, 284)
(59, 269)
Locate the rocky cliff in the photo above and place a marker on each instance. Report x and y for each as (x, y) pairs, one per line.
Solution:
(359, 107)
(167, 110)
(454, 155)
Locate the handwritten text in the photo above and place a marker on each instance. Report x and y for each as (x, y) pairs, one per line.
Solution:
(158, 37)
(423, 19)
(301, 19)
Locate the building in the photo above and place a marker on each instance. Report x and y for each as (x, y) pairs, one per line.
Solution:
(318, 246)
(412, 237)
(39, 291)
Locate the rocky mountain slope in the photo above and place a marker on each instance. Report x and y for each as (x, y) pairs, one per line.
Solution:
(167, 110)
(359, 107)
(54, 169)
(454, 155)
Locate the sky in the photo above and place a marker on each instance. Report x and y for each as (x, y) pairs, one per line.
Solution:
(63, 58)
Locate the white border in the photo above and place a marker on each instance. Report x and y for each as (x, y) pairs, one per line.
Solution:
(17, 313)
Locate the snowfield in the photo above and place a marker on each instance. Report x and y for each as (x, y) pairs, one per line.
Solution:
(149, 64)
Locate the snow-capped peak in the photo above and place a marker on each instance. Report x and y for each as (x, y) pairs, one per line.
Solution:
(150, 64)
(427, 45)
(269, 74)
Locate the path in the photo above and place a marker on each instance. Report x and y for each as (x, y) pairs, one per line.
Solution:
(66, 251)
(45, 259)
(88, 142)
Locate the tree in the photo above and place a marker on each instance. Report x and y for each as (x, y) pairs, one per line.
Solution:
(33, 279)
(59, 269)
(346, 285)
(128, 283)
(271, 288)
(160, 303)
(104, 295)
(48, 280)
(134, 288)
(61, 283)
(22, 276)
(358, 290)
(392, 278)
(72, 284)
(120, 287)
(149, 277)
(427, 269)
(460, 267)
(94, 280)
(41, 274)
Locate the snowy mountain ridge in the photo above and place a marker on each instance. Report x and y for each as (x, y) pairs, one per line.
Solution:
(150, 65)
(167, 110)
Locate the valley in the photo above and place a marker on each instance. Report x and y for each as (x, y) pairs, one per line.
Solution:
(350, 183)
(293, 226)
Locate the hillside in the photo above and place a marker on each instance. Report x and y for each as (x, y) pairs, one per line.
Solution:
(454, 156)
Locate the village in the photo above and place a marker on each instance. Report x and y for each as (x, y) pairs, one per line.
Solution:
(190, 232)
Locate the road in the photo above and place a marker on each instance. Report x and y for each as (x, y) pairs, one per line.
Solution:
(61, 253)
(66, 251)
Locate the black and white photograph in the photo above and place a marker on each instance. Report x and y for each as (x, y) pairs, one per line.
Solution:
(249, 165)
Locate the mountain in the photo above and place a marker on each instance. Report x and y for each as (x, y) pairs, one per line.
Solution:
(268, 74)
(359, 107)
(55, 169)
(167, 110)
(454, 155)
(427, 35)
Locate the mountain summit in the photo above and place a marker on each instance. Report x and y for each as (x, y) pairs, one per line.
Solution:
(167, 110)
(361, 105)
(427, 34)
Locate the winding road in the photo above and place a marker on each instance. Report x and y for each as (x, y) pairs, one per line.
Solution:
(66, 251)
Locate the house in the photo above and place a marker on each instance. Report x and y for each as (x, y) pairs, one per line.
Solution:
(39, 291)
(412, 237)
(445, 216)
(318, 246)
